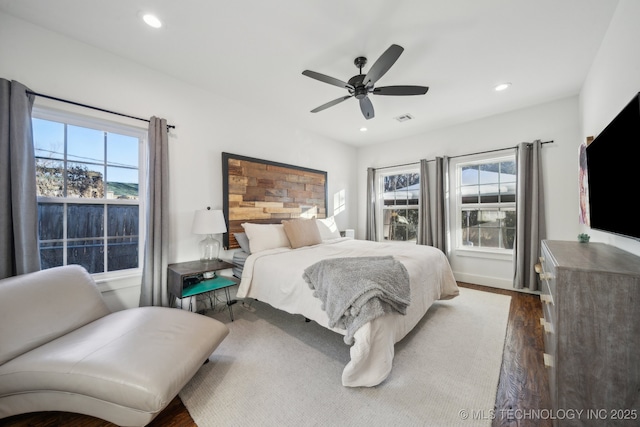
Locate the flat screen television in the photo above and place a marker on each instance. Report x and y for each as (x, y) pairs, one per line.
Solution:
(613, 174)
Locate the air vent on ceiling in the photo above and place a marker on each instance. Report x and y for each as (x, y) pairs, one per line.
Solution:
(404, 118)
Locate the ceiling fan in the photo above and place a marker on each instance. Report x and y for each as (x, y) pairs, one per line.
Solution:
(360, 86)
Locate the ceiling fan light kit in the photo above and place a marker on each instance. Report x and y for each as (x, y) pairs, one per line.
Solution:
(362, 85)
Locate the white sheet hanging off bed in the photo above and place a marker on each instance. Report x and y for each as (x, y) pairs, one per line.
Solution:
(275, 276)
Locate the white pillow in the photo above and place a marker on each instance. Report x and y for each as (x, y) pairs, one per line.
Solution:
(328, 228)
(265, 236)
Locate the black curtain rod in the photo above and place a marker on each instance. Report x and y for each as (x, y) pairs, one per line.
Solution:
(30, 92)
(459, 155)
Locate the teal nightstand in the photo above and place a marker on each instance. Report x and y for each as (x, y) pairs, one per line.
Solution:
(186, 279)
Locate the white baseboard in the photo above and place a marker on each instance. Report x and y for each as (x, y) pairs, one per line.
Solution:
(493, 282)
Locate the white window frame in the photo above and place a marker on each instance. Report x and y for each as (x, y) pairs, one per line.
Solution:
(456, 172)
(103, 125)
(380, 207)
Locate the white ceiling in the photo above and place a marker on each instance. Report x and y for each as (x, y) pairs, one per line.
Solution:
(255, 51)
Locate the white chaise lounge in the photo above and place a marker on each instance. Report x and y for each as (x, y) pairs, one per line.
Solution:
(61, 349)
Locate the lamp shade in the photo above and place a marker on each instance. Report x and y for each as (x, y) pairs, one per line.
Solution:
(208, 221)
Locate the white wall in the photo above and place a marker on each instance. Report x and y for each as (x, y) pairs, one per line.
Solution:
(206, 126)
(557, 121)
(614, 78)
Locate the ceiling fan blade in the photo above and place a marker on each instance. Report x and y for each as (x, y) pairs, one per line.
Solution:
(382, 65)
(327, 79)
(367, 108)
(400, 90)
(330, 104)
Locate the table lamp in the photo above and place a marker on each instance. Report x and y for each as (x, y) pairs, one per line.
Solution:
(209, 222)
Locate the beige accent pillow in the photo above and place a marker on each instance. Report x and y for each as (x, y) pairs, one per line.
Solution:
(302, 232)
(265, 236)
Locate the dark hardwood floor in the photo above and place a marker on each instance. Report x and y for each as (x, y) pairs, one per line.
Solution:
(522, 389)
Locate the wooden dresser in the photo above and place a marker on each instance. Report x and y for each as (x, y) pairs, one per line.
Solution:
(591, 305)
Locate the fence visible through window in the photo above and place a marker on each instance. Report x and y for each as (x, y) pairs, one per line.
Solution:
(88, 196)
(487, 193)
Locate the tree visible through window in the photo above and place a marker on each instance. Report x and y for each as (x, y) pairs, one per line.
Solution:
(487, 192)
(88, 195)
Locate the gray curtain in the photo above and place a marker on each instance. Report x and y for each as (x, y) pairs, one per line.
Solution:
(19, 251)
(530, 220)
(371, 232)
(424, 220)
(441, 206)
(154, 271)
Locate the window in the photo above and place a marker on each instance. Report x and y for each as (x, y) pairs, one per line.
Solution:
(400, 206)
(89, 186)
(486, 204)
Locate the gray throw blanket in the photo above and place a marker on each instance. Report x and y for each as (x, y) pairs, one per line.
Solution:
(356, 290)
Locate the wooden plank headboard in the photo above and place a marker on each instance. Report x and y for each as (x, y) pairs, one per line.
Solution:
(262, 191)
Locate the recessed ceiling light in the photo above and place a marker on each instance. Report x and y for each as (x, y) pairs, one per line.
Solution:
(363, 129)
(502, 86)
(152, 20)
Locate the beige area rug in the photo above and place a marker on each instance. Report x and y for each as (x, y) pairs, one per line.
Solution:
(275, 369)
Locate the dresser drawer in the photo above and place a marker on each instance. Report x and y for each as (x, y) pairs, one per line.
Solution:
(549, 332)
(546, 297)
(552, 374)
(548, 291)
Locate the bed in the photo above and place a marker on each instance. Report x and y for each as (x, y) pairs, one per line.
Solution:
(273, 273)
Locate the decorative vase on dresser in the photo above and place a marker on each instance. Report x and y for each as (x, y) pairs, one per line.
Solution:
(591, 306)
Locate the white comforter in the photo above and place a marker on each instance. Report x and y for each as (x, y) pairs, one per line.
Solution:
(274, 276)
